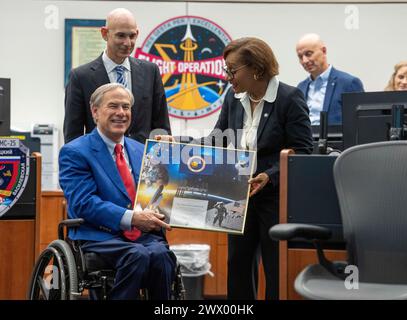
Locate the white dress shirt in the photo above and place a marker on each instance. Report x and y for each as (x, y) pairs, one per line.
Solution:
(125, 222)
(316, 95)
(111, 72)
(251, 121)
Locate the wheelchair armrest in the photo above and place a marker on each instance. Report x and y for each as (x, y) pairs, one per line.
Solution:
(289, 231)
(69, 223)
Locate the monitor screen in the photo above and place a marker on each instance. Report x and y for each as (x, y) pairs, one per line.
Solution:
(366, 116)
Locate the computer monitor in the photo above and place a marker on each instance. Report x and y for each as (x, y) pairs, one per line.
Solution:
(4, 107)
(366, 116)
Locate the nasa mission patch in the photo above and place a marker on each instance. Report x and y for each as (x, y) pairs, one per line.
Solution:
(188, 51)
(14, 172)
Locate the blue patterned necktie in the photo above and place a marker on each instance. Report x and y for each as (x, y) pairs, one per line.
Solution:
(120, 75)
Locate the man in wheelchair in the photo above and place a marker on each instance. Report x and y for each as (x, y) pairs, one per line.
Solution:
(98, 174)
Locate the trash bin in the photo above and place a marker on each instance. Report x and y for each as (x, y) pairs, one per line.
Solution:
(194, 263)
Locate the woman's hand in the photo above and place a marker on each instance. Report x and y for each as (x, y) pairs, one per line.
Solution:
(163, 137)
(258, 183)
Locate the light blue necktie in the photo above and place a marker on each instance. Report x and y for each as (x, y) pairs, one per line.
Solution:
(120, 75)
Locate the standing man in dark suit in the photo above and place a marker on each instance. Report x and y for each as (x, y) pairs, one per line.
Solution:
(149, 111)
(98, 174)
(324, 87)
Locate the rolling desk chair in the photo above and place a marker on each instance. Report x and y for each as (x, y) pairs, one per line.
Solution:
(370, 181)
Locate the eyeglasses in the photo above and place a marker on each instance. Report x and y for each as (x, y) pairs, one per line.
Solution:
(231, 72)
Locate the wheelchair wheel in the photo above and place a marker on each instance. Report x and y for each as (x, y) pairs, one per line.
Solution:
(54, 276)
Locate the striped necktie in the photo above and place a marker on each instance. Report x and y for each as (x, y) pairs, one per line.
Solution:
(121, 78)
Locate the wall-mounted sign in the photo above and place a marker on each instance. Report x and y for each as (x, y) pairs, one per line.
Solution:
(188, 50)
(14, 172)
(83, 42)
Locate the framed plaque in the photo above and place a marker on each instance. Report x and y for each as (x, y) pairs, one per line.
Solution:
(194, 186)
(83, 42)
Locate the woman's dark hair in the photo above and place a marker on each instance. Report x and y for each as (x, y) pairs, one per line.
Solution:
(255, 53)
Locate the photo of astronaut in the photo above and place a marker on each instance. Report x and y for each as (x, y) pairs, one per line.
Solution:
(197, 187)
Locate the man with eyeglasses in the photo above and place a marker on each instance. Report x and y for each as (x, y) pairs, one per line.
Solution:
(143, 78)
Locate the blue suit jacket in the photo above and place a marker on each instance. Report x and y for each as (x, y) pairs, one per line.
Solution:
(338, 82)
(93, 187)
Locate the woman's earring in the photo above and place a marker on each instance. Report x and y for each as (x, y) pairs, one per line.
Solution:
(256, 77)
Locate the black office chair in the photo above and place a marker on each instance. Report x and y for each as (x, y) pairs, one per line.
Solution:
(370, 181)
(63, 272)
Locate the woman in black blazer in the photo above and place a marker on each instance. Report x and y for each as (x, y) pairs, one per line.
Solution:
(270, 116)
(263, 114)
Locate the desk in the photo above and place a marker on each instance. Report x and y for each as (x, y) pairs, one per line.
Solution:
(17, 257)
(294, 257)
(17, 244)
(53, 210)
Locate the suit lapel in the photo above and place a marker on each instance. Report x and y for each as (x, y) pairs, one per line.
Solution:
(99, 74)
(136, 81)
(105, 159)
(265, 115)
(137, 90)
(308, 82)
(330, 88)
(239, 115)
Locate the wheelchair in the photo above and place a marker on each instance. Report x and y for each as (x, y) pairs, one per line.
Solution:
(64, 272)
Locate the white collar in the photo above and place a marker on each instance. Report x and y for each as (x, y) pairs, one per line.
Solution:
(324, 76)
(110, 64)
(109, 142)
(271, 92)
